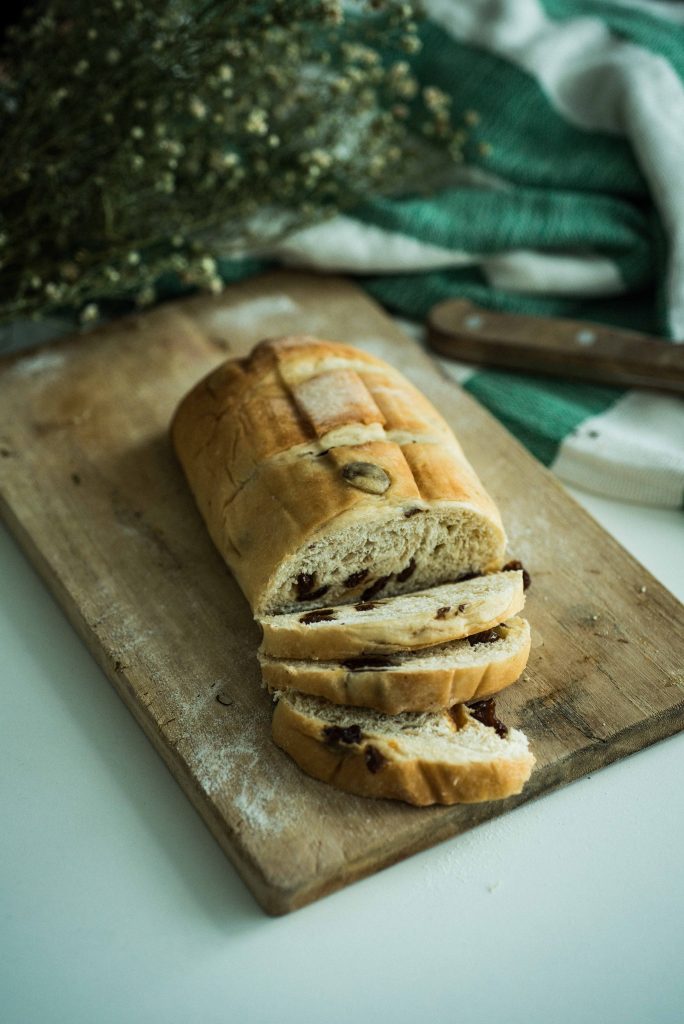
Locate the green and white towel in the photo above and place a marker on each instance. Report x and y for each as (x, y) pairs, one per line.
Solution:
(579, 213)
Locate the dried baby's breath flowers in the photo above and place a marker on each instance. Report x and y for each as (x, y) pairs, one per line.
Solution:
(147, 138)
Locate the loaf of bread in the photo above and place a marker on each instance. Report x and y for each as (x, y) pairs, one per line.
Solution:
(323, 474)
(410, 621)
(464, 755)
(426, 680)
(371, 555)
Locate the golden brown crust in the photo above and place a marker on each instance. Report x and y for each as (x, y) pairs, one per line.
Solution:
(442, 473)
(263, 440)
(416, 781)
(395, 690)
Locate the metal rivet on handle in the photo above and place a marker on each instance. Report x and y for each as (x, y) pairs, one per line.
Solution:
(585, 337)
(473, 322)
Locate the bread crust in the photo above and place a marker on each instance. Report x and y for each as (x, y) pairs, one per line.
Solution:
(415, 781)
(263, 442)
(403, 688)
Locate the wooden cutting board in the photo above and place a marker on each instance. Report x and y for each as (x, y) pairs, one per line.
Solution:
(90, 487)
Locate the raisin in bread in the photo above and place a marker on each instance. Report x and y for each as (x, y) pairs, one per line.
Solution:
(426, 680)
(322, 474)
(445, 757)
(435, 616)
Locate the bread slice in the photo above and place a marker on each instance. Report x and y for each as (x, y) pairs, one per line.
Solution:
(446, 757)
(427, 617)
(426, 680)
(323, 474)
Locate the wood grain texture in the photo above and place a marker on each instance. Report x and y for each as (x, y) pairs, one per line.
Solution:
(89, 485)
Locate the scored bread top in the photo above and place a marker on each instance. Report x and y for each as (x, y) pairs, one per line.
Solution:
(293, 391)
(304, 451)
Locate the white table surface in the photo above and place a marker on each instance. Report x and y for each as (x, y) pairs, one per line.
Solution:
(116, 905)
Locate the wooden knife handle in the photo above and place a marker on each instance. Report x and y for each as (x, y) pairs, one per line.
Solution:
(566, 348)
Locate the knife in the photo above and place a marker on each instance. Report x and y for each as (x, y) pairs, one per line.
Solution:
(459, 329)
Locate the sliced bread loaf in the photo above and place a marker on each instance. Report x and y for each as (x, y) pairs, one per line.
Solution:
(448, 612)
(446, 757)
(322, 473)
(425, 680)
